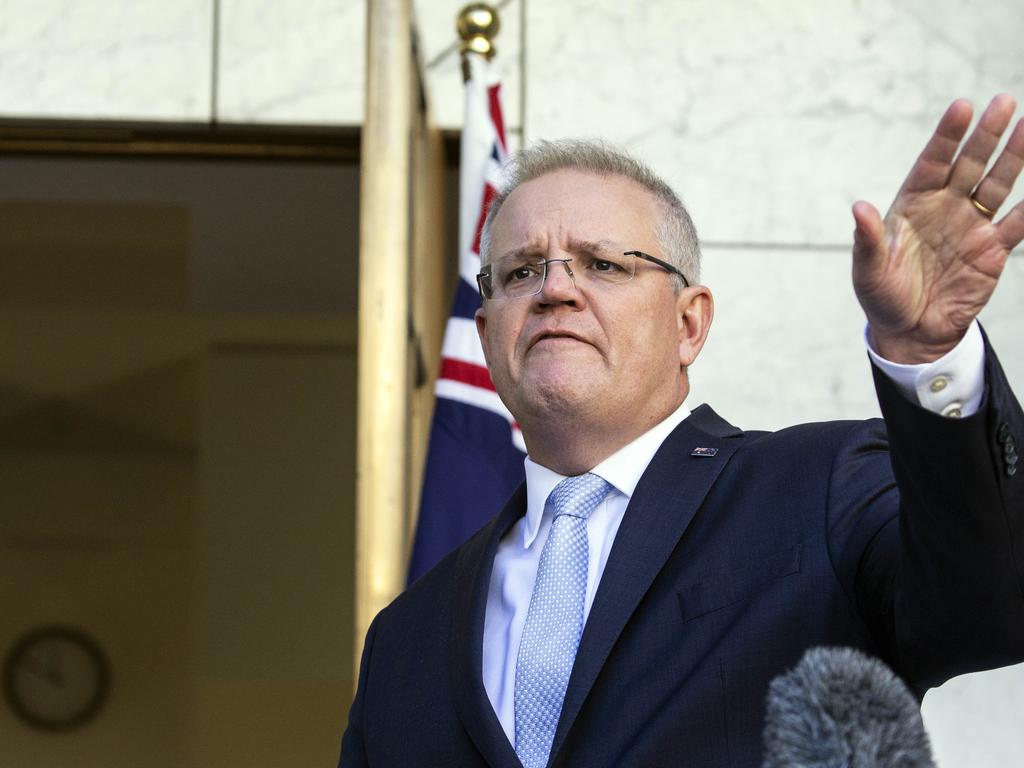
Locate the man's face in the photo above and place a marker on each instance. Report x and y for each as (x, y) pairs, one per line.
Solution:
(607, 357)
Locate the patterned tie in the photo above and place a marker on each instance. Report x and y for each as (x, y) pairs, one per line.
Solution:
(554, 621)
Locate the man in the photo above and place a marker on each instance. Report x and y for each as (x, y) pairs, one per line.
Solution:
(633, 600)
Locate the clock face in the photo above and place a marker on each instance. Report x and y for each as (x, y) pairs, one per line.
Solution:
(56, 678)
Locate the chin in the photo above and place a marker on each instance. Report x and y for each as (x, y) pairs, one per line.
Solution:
(567, 395)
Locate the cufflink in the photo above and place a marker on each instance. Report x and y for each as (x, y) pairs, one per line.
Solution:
(952, 411)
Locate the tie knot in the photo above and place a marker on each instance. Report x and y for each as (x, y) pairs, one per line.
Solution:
(579, 496)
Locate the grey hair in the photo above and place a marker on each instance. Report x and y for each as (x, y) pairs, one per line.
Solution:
(674, 230)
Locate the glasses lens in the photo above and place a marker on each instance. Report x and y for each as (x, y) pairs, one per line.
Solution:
(484, 283)
(516, 277)
(605, 268)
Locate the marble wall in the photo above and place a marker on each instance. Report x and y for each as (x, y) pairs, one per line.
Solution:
(292, 62)
(273, 62)
(106, 59)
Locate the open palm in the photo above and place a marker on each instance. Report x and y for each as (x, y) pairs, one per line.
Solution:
(925, 272)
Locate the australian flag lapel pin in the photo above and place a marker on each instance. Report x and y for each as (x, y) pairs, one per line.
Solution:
(704, 452)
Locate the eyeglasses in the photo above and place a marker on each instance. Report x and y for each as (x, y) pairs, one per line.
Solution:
(517, 276)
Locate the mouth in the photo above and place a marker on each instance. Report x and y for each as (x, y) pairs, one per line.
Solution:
(549, 337)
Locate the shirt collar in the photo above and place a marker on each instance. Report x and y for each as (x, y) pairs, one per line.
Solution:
(622, 469)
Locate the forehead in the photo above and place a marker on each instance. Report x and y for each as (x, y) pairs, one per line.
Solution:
(570, 205)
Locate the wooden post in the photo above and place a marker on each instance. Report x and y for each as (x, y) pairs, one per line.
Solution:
(383, 379)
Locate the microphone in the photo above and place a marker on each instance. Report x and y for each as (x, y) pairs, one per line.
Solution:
(839, 708)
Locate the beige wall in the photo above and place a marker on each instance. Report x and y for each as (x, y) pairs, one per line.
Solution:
(103, 541)
(274, 562)
(177, 405)
(218, 581)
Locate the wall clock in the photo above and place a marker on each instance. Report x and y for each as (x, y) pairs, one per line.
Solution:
(56, 678)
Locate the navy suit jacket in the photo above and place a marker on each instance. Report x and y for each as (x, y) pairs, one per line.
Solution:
(904, 539)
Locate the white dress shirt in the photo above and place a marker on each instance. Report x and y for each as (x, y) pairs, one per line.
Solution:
(952, 386)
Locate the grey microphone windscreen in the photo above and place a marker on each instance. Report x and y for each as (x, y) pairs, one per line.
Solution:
(839, 708)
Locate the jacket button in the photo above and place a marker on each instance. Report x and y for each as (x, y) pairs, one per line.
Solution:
(1011, 470)
(1004, 433)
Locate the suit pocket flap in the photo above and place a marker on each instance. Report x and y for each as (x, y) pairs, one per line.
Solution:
(719, 590)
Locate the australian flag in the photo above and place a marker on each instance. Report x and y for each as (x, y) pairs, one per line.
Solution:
(475, 457)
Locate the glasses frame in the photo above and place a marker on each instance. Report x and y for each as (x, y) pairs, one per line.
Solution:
(485, 271)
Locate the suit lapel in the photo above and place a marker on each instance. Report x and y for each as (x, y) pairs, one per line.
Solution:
(472, 580)
(659, 512)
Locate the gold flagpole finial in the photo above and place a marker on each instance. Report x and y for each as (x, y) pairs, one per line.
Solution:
(478, 24)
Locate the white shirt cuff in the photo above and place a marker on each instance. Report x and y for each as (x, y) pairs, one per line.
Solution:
(951, 386)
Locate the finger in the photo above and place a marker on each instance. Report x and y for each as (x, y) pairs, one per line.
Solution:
(868, 233)
(931, 169)
(1011, 228)
(997, 185)
(973, 158)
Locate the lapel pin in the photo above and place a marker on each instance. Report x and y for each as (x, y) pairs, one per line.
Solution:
(704, 452)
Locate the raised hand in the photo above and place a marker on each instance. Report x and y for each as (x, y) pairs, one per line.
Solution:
(924, 272)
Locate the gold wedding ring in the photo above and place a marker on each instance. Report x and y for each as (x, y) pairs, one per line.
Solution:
(987, 212)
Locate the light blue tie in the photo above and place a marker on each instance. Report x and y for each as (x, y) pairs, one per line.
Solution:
(554, 621)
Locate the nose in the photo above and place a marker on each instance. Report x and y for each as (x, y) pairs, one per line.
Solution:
(559, 283)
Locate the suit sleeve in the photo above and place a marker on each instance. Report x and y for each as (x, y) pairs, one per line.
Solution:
(353, 747)
(940, 576)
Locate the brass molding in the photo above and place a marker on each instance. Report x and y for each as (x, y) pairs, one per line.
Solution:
(168, 140)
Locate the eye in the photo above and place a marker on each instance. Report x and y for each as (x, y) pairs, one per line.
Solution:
(520, 273)
(606, 266)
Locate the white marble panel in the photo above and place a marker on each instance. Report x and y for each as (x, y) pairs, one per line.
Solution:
(435, 22)
(769, 117)
(292, 62)
(973, 721)
(786, 345)
(106, 59)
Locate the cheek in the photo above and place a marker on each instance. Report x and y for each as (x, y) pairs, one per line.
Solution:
(653, 339)
(501, 341)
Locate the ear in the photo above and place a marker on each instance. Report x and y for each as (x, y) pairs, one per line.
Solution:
(481, 330)
(695, 308)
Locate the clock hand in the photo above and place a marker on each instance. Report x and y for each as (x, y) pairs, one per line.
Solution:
(42, 668)
(55, 672)
(56, 668)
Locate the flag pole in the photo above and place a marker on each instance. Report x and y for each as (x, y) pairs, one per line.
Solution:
(474, 458)
(383, 371)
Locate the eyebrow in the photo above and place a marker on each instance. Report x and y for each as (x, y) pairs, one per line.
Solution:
(576, 245)
(516, 253)
(595, 246)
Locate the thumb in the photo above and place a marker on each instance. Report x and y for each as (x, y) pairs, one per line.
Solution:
(867, 234)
